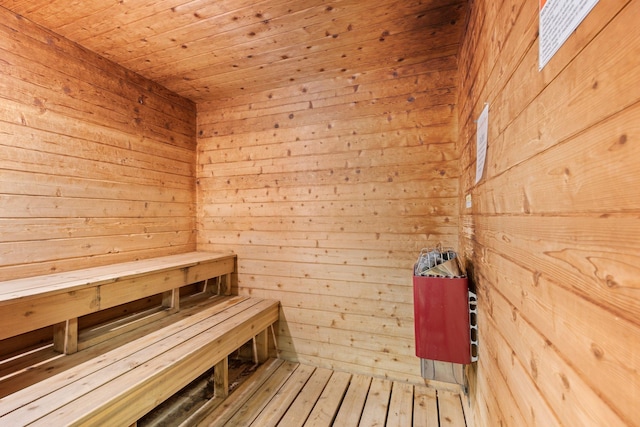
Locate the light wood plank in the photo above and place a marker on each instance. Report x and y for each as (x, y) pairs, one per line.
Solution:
(439, 130)
(148, 392)
(224, 284)
(253, 406)
(173, 38)
(401, 405)
(377, 405)
(262, 346)
(435, 103)
(353, 403)
(379, 343)
(218, 412)
(373, 119)
(103, 275)
(73, 263)
(329, 402)
(541, 360)
(327, 92)
(325, 87)
(399, 312)
(131, 81)
(26, 315)
(79, 130)
(310, 70)
(93, 335)
(65, 336)
(343, 393)
(598, 121)
(565, 250)
(51, 229)
(269, 156)
(425, 407)
(450, 409)
(433, 227)
(353, 243)
(221, 378)
(25, 396)
(280, 403)
(302, 406)
(585, 335)
(171, 300)
(49, 300)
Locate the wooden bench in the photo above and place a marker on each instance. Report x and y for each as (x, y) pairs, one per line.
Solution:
(120, 386)
(117, 373)
(60, 299)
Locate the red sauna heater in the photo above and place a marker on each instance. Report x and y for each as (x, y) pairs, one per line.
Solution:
(445, 323)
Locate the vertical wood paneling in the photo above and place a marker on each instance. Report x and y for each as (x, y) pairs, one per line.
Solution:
(97, 164)
(553, 232)
(327, 191)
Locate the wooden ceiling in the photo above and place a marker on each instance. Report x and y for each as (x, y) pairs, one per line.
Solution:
(212, 49)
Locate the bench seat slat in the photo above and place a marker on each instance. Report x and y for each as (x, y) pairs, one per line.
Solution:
(38, 371)
(152, 374)
(165, 374)
(32, 303)
(27, 315)
(70, 280)
(26, 395)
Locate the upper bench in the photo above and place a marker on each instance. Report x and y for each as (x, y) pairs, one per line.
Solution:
(58, 299)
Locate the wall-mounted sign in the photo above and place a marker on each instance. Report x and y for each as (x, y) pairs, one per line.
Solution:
(558, 19)
(482, 134)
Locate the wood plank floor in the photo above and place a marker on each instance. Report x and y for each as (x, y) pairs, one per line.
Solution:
(289, 394)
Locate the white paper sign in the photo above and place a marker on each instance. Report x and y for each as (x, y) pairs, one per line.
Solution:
(558, 19)
(482, 133)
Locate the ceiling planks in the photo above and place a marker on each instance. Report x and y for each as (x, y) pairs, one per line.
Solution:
(207, 50)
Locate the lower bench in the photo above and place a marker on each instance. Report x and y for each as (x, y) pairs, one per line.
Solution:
(120, 386)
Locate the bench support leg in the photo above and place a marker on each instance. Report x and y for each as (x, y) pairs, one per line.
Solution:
(261, 346)
(275, 339)
(224, 285)
(221, 378)
(171, 300)
(206, 287)
(65, 336)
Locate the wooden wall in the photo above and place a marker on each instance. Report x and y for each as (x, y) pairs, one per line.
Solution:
(327, 190)
(97, 165)
(553, 232)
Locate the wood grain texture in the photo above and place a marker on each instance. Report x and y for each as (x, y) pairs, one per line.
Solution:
(353, 402)
(279, 395)
(329, 154)
(97, 163)
(171, 361)
(552, 232)
(208, 51)
(376, 408)
(327, 192)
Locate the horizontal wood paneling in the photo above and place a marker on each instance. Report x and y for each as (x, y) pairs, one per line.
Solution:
(227, 49)
(97, 164)
(553, 232)
(327, 191)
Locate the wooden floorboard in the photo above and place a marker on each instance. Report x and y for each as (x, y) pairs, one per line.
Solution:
(290, 394)
(353, 403)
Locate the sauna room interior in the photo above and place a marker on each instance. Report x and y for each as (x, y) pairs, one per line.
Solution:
(316, 147)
